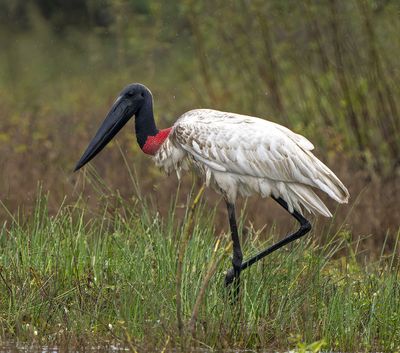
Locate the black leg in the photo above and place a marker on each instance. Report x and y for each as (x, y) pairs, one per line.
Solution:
(305, 227)
(234, 273)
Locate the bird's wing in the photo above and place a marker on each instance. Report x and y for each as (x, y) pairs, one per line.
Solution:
(251, 146)
(243, 145)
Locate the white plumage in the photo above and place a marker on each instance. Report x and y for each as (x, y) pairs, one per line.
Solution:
(239, 154)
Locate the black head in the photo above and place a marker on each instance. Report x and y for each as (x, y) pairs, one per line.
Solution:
(135, 91)
(128, 103)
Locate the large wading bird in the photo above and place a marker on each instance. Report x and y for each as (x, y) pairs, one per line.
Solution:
(235, 154)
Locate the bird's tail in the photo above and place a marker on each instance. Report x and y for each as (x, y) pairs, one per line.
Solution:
(299, 196)
(328, 182)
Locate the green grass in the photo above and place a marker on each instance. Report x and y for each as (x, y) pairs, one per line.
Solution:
(81, 277)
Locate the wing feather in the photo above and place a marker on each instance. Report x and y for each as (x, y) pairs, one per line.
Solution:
(250, 146)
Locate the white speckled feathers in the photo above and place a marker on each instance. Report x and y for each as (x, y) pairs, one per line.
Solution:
(243, 154)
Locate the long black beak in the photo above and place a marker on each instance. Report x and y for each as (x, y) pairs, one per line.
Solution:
(118, 116)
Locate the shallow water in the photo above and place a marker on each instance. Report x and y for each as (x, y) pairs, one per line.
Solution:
(34, 348)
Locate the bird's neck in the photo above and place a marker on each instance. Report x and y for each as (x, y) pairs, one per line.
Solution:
(148, 136)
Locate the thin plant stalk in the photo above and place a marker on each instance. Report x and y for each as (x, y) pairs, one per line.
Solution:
(181, 254)
(212, 267)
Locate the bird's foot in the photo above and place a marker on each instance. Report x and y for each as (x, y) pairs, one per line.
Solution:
(229, 277)
(232, 280)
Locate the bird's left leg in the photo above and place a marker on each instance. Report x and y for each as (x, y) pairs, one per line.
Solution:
(234, 273)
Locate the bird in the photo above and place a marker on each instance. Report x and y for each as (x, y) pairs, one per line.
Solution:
(236, 155)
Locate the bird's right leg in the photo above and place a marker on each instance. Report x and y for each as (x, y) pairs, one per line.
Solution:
(305, 227)
(233, 275)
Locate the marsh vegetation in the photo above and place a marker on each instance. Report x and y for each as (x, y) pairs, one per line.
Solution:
(92, 259)
(327, 70)
(82, 278)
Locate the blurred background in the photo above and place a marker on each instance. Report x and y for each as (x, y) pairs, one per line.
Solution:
(326, 69)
